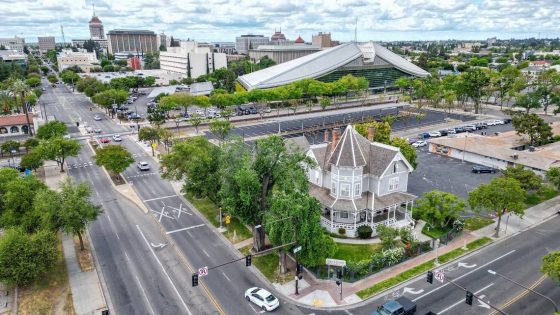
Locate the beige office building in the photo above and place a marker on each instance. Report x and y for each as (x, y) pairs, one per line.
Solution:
(46, 43)
(67, 58)
(191, 60)
(15, 43)
(140, 41)
(283, 53)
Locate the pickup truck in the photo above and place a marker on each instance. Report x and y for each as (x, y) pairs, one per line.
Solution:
(400, 306)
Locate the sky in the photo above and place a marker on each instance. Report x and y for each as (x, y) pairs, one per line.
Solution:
(223, 20)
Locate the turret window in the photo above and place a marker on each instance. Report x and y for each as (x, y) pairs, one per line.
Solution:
(345, 190)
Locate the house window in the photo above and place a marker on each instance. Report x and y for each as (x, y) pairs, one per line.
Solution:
(395, 167)
(345, 190)
(333, 188)
(393, 183)
(357, 189)
(344, 215)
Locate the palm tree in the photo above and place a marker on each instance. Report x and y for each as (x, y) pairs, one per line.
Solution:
(6, 102)
(18, 87)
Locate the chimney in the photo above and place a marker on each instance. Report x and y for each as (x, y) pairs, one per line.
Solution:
(371, 133)
(335, 137)
(326, 140)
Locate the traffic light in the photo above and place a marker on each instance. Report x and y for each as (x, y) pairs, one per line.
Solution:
(430, 277)
(248, 260)
(338, 282)
(195, 279)
(339, 273)
(469, 298)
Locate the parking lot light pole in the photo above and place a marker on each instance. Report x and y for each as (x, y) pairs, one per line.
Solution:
(492, 272)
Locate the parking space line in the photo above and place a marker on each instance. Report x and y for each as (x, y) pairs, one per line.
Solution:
(146, 200)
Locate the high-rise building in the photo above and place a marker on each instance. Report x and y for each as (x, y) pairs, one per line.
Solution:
(323, 40)
(46, 43)
(134, 41)
(191, 60)
(15, 43)
(244, 43)
(163, 40)
(96, 28)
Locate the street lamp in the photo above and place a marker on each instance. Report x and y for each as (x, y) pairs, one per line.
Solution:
(177, 121)
(492, 272)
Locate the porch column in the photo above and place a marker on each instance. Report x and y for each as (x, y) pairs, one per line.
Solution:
(395, 212)
(332, 221)
(371, 212)
(388, 215)
(355, 219)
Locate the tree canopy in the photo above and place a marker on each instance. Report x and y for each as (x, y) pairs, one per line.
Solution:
(439, 209)
(115, 158)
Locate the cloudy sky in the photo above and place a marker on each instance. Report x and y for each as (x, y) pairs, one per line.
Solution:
(222, 20)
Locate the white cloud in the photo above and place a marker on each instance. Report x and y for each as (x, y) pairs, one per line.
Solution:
(225, 19)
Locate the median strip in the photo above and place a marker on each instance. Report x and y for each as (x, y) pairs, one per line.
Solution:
(413, 272)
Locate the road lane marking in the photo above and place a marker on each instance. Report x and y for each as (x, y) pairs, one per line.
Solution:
(146, 200)
(144, 294)
(164, 271)
(161, 213)
(520, 295)
(184, 229)
(464, 275)
(226, 276)
(205, 253)
(463, 300)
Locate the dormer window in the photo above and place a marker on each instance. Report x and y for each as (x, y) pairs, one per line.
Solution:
(395, 167)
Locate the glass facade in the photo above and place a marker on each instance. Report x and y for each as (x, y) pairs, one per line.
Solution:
(377, 77)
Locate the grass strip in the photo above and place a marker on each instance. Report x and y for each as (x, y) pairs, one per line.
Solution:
(477, 223)
(413, 272)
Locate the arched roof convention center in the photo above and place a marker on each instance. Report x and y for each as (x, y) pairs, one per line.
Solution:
(371, 60)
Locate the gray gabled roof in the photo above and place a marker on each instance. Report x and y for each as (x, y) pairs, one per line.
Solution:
(348, 151)
(324, 62)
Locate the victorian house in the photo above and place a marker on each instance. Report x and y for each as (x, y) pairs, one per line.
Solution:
(358, 181)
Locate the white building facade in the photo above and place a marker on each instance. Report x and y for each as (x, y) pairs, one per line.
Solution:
(358, 182)
(244, 43)
(14, 43)
(67, 58)
(191, 60)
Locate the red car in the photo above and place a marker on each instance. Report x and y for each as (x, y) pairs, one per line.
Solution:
(104, 140)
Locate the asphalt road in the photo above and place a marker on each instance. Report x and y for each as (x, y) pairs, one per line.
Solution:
(201, 245)
(518, 258)
(140, 278)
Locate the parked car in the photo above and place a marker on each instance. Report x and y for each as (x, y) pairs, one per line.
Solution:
(507, 120)
(482, 169)
(500, 122)
(470, 128)
(481, 125)
(400, 306)
(97, 130)
(443, 133)
(89, 130)
(420, 143)
(97, 118)
(411, 140)
(117, 138)
(434, 134)
(451, 131)
(459, 129)
(262, 298)
(104, 140)
(491, 123)
(423, 135)
(143, 166)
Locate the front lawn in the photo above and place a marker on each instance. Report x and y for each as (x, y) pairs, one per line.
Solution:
(477, 223)
(543, 194)
(236, 231)
(268, 264)
(434, 232)
(355, 252)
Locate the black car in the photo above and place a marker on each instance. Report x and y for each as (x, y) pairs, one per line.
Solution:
(507, 120)
(443, 133)
(481, 125)
(482, 169)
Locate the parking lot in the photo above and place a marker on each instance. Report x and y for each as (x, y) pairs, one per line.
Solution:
(435, 171)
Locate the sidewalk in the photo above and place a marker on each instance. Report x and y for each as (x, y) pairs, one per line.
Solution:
(87, 293)
(326, 294)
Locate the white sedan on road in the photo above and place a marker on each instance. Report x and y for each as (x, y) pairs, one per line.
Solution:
(435, 134)
(143, 166)
(262, 298)
(420, 143)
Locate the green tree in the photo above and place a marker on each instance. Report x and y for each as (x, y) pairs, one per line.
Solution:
(295, 217)
(195, 120)
(501, 194)
(30, 143)
(195, 161)
(52, 78)
(528, 101)
(17, 202)
(475, 80)
(526, 178)
(77, 211)
(553, 176)
(533, 126)
(107, 98)
(19, 88)
(32, 160)
(9, 145)
(439, 209)
(551, 265)
(387, 235)
(52, 129)
(114, 158)
(58, 149)
(33, 81)
(24, 258)
(220, 129)
(150, 134)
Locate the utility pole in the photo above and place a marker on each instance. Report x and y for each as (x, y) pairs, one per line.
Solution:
(492, 272)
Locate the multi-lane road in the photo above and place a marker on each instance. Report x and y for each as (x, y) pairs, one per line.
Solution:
(147, 259)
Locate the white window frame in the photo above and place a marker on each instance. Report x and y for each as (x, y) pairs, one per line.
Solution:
(346, 215)
(357, 189)
(393, 183)
(334, 188)
(343, 188)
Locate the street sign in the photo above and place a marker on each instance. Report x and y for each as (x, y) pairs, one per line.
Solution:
(203, 271)
(154, 145)
(297, 249)
(335, 262)
(228, 219)
(439, 275)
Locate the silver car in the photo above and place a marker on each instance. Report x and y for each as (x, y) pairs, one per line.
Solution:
(143, 166)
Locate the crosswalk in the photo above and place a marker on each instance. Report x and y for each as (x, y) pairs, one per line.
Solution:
(80, 164)
(139, 155)
(140, 175)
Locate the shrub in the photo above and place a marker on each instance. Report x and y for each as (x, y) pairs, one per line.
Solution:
(547, 192)
(387, 235)
(393, 256)
(341, 231)
(364, 231)
(406, 235)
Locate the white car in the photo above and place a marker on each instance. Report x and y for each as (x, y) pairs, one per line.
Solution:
(97, 118)
(262, 298)
(451, 132)
(420, 143)
(143, 166)
(434, 134)
(117, 138)
(493, 122)
(499, 122)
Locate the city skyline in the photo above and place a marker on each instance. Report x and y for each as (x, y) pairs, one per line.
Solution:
(377, 20)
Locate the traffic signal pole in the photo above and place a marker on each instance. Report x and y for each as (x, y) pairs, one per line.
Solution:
(477, 297)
